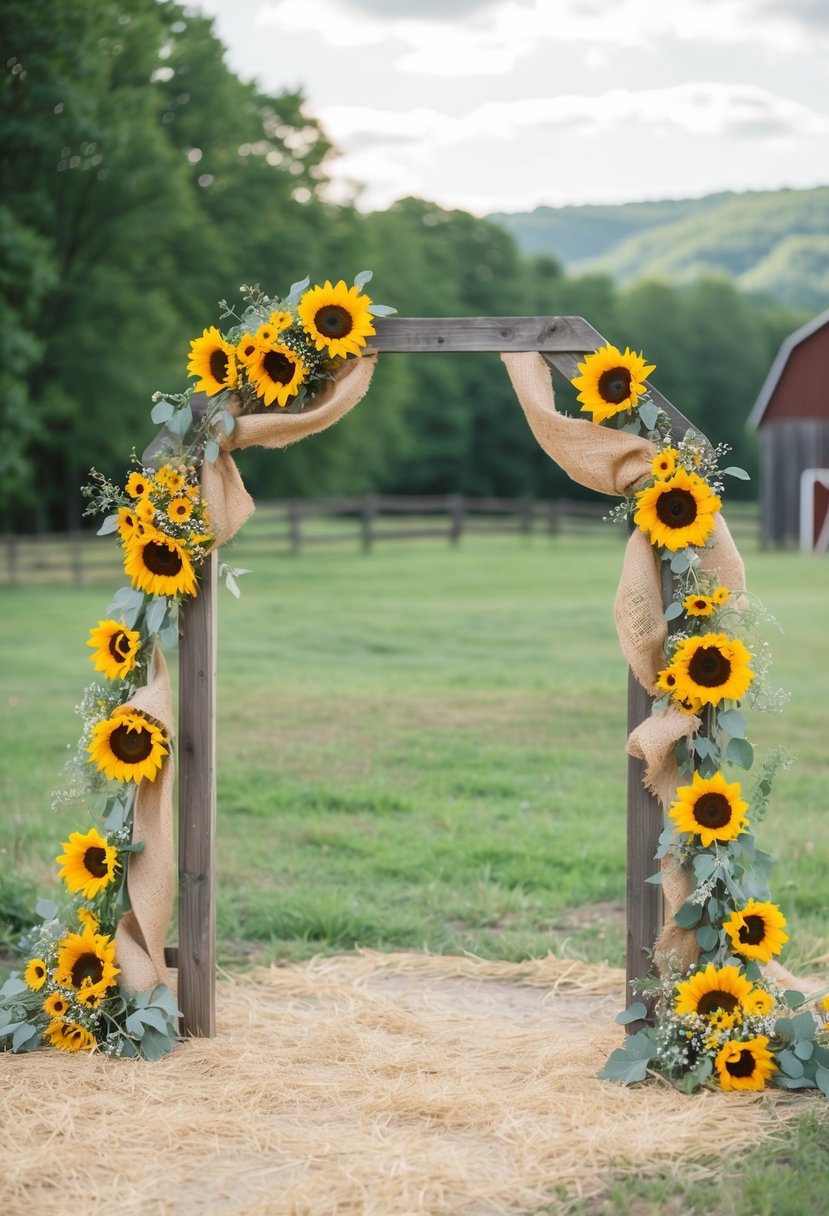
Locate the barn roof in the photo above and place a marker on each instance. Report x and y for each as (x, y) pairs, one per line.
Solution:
(781, 359)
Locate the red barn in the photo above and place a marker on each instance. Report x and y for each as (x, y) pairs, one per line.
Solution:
(792, 416)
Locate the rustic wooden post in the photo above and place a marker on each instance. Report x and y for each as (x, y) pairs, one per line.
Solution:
(457, 513)
(295, 525)
(368, 511)
(197, 807)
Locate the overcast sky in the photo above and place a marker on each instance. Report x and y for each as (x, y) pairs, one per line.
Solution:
(502, 105)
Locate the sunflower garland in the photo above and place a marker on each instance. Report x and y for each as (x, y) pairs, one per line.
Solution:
(68, 994)
(724, 1023)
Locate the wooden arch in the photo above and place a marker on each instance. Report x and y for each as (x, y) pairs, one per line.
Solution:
(562, 342)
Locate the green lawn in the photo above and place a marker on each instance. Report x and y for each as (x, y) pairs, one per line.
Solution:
(424, 747)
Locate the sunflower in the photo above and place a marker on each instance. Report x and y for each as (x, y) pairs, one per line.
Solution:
(699, 605)
(69, 1036)
(146, 510)
(745, 1065)
(180, 510)
(129, 525)
(677, 511)
(88, 864)
(214, 360)
(115, 647)
(88, 918)
(170, 479)
(719, 595)
(664, 464)
(127, 747)
(35, 974)
(86, 962)
(710, 808)
(276, 372)
(159, 564)
(611, 382)
(138, 485)
(56, 1005)
(759, 1003)
(709, 991)
(336, 319)
(246, 348)
(756, 931)
(711, 668)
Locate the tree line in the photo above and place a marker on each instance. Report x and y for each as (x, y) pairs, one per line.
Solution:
(143, 181)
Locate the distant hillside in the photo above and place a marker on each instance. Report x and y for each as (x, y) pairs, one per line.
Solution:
(775, 242)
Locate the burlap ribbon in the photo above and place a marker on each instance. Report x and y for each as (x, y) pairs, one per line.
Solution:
(614, 462)
(142, 932)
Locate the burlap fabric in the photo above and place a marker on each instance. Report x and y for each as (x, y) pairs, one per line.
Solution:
(142, 932)
(614, 462)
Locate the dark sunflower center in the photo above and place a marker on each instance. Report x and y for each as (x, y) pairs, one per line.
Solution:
(119, 645)
(709, 667)
(130, 746)
(161, 559)
(95, 861)
(742, 1067)
(676, 508)
(753, 930)
(700, 604)
(614, 385)
(40, 971)
(714, 1000)
(279, 367)
(218, 365)
(87, 967)
(333, 321)
(712, 810)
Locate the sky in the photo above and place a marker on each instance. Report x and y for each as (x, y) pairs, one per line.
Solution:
(505, 105)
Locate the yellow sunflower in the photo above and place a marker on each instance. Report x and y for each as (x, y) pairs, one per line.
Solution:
(146, 510)
(711, 668)
(611, 382)
(759, 1003)
(246, 348)
(115, 647)
(756, 931)
(710, 808)
(336, 319)
(127, 747)
(138, 485)
(56, 1005)
(88, 863)
(745, 1065)
(88, 918)
(69, 1036)
(664, 464)
(276, 372)
(35, 974)
(214, 360)
(180, 510)
(714, 989)
(699, 605)
(159, 564)
(169, 479)
(677, 511)
(129, 525)
(719, 595)
(86, 962)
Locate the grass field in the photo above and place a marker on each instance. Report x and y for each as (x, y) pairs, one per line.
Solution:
(424, 747)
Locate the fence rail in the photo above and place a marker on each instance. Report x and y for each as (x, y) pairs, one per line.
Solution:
(289, 526)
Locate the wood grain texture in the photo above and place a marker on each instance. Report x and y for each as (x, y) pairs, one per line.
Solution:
(413, 334)
(197, 807)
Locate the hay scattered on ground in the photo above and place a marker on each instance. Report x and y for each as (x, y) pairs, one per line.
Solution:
(375, 1084)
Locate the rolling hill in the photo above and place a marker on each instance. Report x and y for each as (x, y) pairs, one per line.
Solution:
(775, 242)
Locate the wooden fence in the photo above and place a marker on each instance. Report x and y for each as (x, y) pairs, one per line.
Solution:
(288, 527)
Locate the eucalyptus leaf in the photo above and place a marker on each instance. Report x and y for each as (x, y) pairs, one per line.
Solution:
(734, 470)
(673, 610)
(14, 986)
(156, 612)
(822, 1080)
(790, 1064)
(704, 865)
(227, 422)
(803, 1049)
(804, 1025)
(168, 635)
(793, 998)
(110, 524)
(134, 1025)
(162, 411)
(740, 752)
(11, 1029)
(362, 278)
(707, 767)
(733, 723)
(46, 909)
(156, 1019)
(688, 915)
(679, 562)
(381, 310)
(211, 451)
(25, 1038)
(181, 421)
(708, 937)
(655, 880)
(633, 1013)
(784, 1029)
(782, 1081)
(621, 1067)
(649, 413)
(704, 747)
(154, 1046)
(162, 998)
(232, 585)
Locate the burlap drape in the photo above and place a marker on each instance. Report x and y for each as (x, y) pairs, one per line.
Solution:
(142, 932)
(614, 462)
